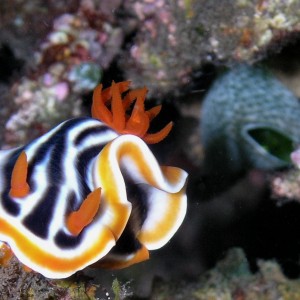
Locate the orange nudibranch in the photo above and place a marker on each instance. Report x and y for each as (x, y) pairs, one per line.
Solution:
(90, 191)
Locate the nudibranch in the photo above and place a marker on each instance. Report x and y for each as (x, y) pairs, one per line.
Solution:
(90, 191)
(249, 119)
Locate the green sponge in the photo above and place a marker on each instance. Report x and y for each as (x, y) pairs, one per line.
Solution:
(249, 120)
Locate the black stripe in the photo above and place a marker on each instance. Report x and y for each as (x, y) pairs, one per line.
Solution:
(60, 134)
(128, 243)
(39, 219)
(57, 144)
(9, 205)
(137, 195)
(62, 239)
(55, 148)
(66, 241)
(95, 130)
(58, 152)
(83, 160)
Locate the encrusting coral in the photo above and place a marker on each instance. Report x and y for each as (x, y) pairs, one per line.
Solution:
(179, 37)
(68, 64)
(18, 284)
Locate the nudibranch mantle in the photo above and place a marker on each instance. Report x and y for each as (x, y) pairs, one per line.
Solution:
(162, 186)
(83, 194)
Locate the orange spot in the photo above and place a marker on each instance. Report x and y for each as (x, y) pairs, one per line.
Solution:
(19, 186)
(110, 263)
(77, 220)
(5, 254)
(118, 118)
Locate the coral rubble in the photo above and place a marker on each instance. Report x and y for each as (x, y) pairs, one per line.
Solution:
(15, 283)
(232, 279)
(66, 65)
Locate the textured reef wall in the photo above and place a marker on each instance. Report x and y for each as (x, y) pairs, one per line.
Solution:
(54, 53)
(166, 44)
(181, 36)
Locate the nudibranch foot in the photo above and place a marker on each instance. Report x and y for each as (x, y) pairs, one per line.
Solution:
(118, 118)
(19, 186)
(123, 261)
(79, 219)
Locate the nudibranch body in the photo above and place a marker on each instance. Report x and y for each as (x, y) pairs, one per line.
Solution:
(83, 193)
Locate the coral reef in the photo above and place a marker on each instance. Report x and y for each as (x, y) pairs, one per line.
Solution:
(52, 54)
(121, 291)
(285, 185)
(15, 283)
(180, 36)
(67, 65)
(84, 38)
(232, 279)
(244, 126)
(24, 24)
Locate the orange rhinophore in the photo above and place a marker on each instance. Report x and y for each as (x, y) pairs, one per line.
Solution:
(119, 263)
(79, 219)
(118, 118)
(19, 186)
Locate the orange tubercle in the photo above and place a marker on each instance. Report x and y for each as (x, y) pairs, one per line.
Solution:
(117, 117)
(19, 186)
(79, 219)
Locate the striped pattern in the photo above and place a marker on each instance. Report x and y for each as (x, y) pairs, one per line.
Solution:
(141, 205)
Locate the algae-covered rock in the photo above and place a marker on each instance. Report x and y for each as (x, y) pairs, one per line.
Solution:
(181, 36)
(232, 279)
(18, 284)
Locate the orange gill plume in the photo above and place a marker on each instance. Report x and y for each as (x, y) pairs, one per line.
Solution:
(118, 118)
